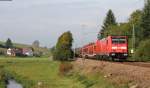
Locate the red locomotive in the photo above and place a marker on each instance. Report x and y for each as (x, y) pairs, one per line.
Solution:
(110, 47)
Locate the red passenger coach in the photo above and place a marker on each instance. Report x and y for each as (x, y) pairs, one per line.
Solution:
(112, 46)
(88, 50)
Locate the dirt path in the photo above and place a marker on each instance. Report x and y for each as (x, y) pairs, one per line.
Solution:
(137, 75)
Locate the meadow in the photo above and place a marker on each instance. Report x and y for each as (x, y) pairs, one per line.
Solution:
(44, 73)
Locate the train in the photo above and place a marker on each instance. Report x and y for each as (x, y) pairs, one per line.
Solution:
(111, 47)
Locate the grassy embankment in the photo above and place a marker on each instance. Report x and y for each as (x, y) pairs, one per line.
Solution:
(43, 73)
(2, 78)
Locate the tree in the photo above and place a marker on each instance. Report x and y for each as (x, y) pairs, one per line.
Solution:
(145, 22)
(135, 19)
(63, 50)
(36, 43)
(109, 20)
(8, 43)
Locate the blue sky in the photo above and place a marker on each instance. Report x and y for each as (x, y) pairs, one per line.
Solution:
(27, 20)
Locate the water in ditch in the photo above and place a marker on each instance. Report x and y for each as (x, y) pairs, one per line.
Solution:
(13, 84)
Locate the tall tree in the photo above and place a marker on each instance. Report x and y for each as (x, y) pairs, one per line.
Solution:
(109, 20)
(36, 43)
(135, 19)
(63, 50)
(145, 23)
(8, 43)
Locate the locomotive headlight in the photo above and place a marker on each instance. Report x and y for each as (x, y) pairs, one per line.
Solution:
(113, 54)
(125, 54)
(114, 47)
(123, 47)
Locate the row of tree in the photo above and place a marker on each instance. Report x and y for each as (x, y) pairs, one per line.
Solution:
(35, 48)
(9, 44)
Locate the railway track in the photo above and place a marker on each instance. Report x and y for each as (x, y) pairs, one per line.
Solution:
(140, 64)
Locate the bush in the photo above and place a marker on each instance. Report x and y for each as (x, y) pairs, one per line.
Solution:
(143, 51)
(37, 54)
(65, 68)
(63, 55)
(63, 50)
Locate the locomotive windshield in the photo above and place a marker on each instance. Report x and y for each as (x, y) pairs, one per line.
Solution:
(118, 40)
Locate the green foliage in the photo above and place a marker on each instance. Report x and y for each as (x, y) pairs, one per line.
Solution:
(135, 17)
(37, 53)
(8, 43)
(109, 20)
(52, 49)
(2, 84)
(122, 29)
(126, 28)
(145, 22)
(143, 51)
(63, 50)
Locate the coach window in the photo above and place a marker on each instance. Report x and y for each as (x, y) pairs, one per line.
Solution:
(94, 47)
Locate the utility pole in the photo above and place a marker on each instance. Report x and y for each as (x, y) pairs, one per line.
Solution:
(145, 1)
(74, 51)
(83, 26)
(133, 40)
(83, 35)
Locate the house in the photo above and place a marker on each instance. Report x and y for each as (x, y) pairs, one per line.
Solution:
(19, 52)
(11, 52)
(27, 51)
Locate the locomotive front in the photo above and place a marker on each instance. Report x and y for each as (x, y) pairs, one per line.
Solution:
(119, 47)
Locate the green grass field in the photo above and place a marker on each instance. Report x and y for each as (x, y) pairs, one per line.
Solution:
(43, 73)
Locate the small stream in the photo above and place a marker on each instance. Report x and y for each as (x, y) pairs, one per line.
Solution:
(13, 84)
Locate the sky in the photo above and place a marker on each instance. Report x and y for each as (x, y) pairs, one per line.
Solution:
(25, 21)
